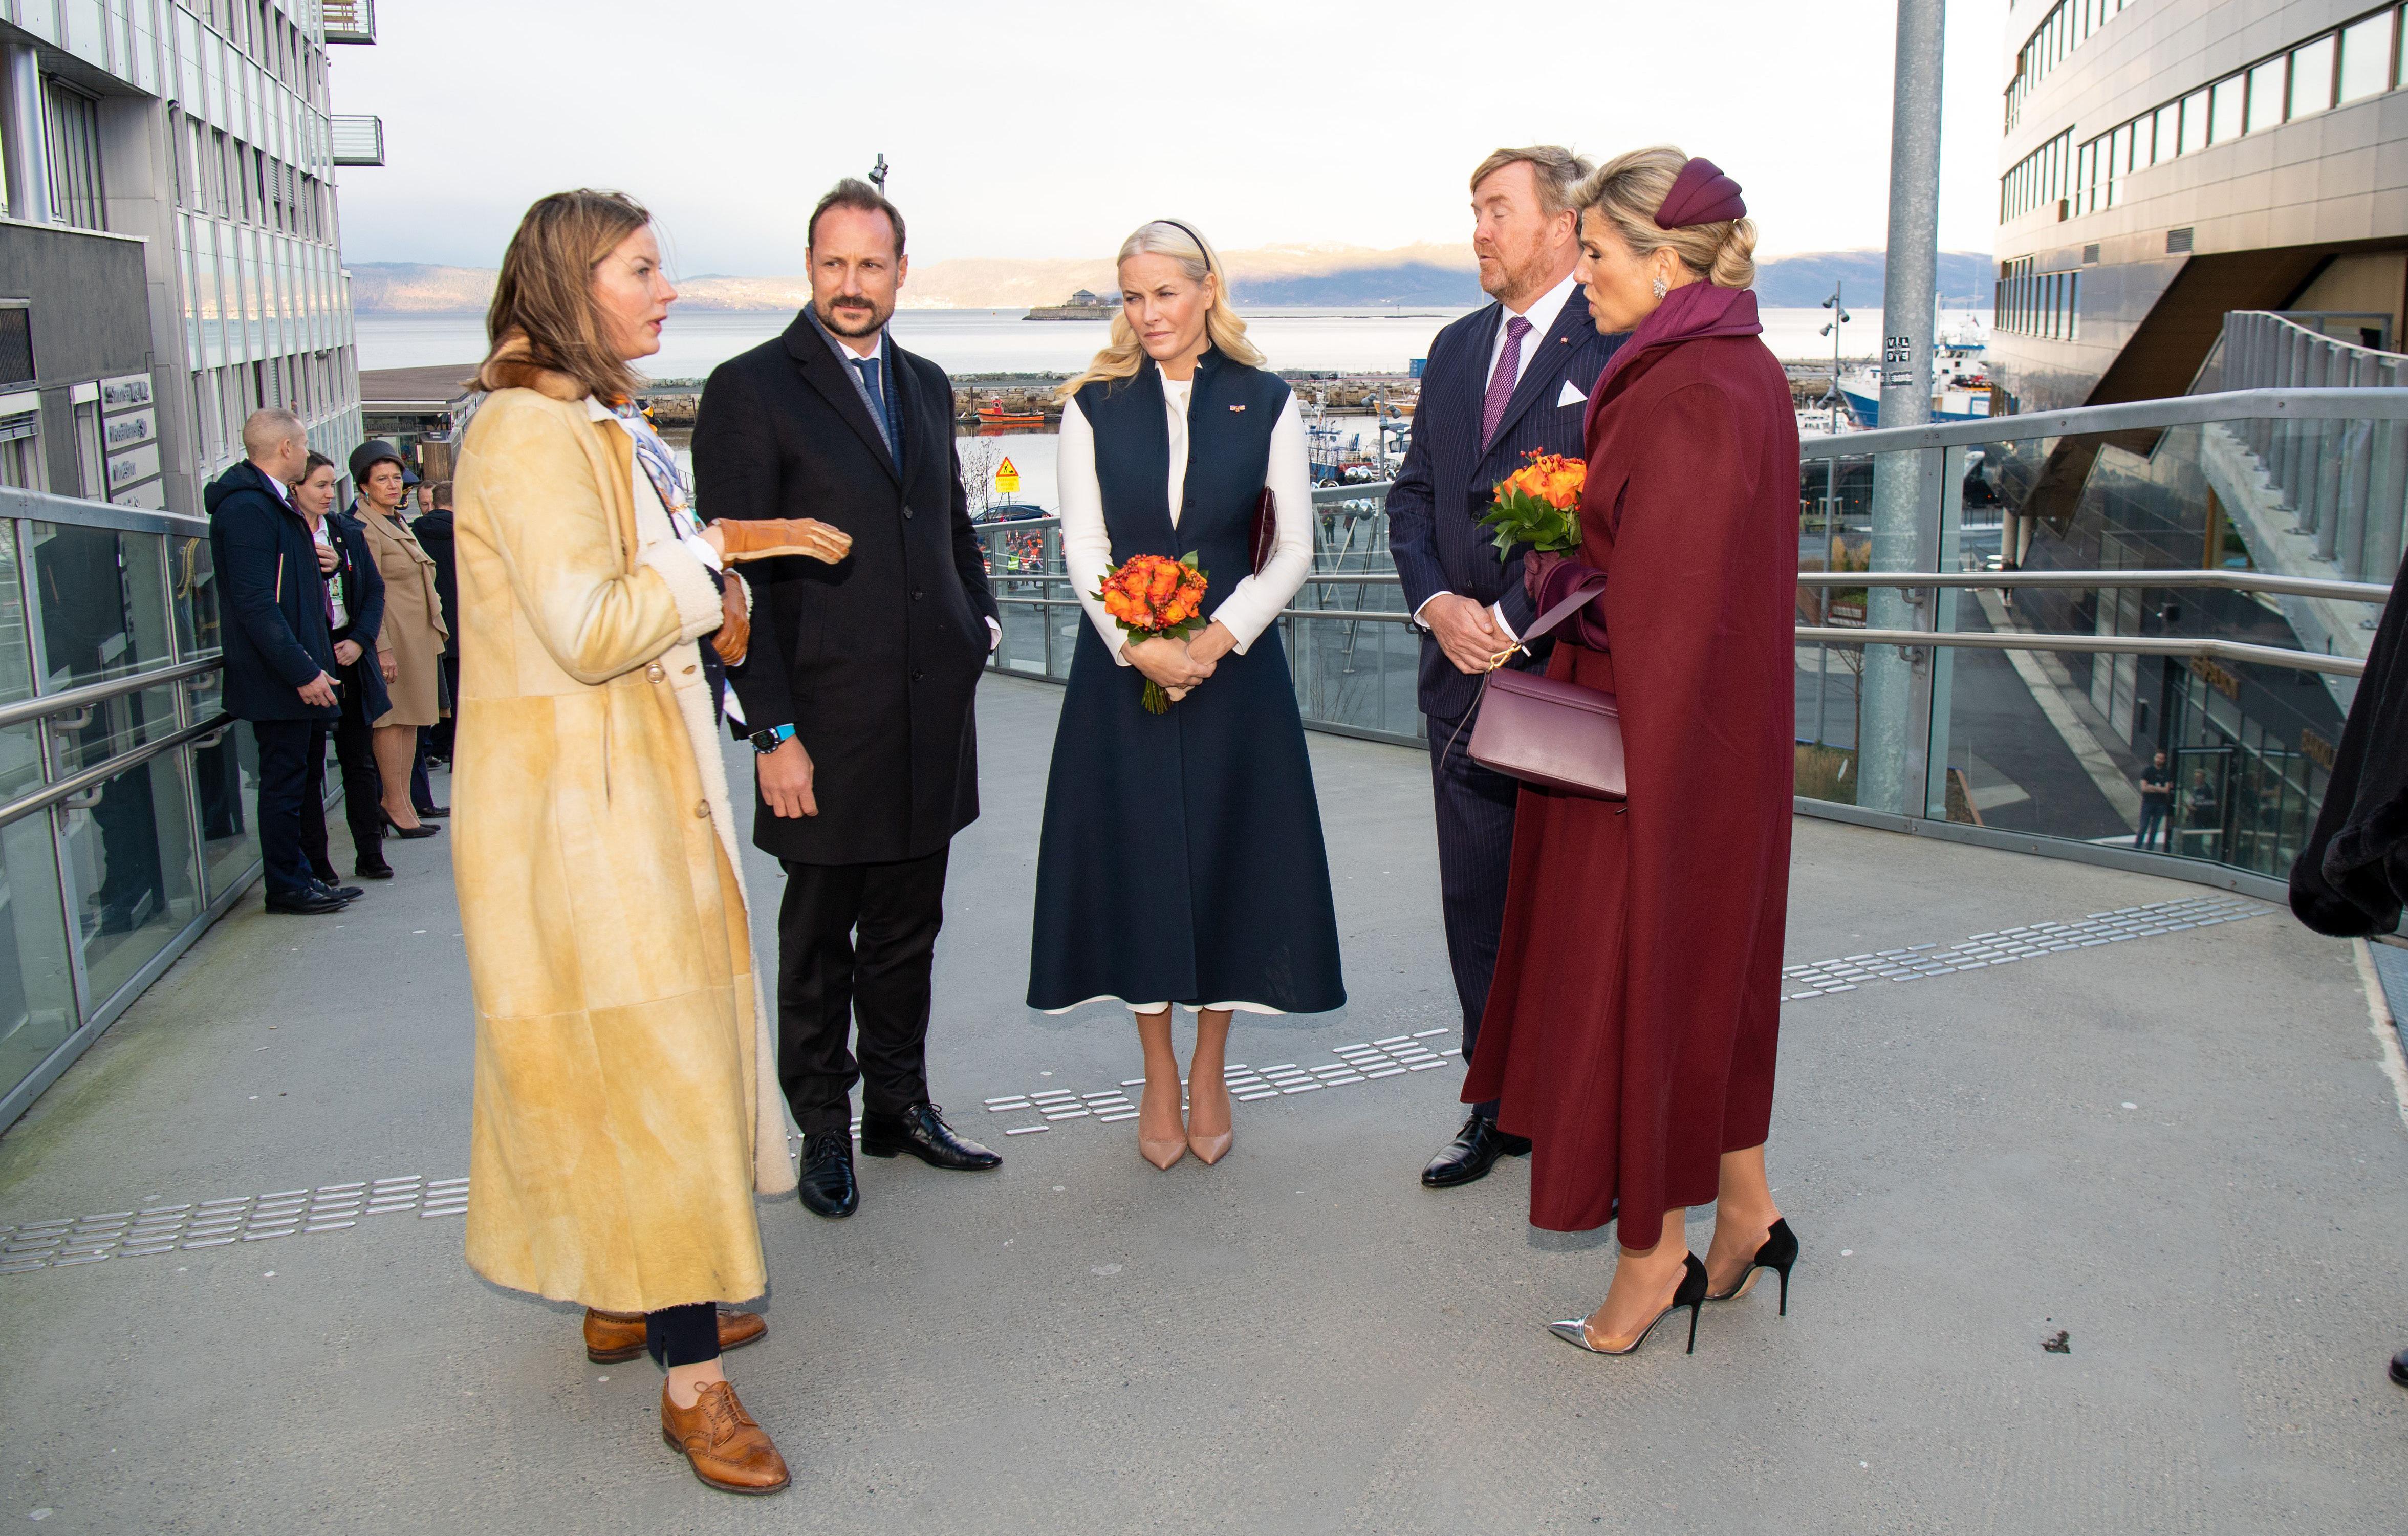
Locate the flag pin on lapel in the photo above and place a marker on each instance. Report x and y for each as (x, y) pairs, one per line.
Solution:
(1237, 408)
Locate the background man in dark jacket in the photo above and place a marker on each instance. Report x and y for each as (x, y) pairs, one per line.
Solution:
(859, 686)
(359, 619)
(434, 530)
(1502, 383)
(279, 650)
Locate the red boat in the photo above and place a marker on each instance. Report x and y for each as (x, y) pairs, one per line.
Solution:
(993, 415)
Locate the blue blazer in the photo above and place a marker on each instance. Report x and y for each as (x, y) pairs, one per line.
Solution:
(1447, 479)
(272, 603)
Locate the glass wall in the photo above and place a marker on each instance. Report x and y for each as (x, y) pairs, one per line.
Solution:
(124, 799)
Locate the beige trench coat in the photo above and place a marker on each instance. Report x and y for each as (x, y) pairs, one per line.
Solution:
(412, 633)
(626, 1105)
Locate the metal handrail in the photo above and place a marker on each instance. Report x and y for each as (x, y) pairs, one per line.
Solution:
(2015, 640)
(74, 784)
(94, 693)
(2345, 405)
(2226, 580)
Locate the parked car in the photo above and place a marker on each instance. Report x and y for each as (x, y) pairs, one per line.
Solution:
(1011, 512)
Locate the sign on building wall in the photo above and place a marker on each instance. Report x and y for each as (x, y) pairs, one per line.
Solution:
(129, 437)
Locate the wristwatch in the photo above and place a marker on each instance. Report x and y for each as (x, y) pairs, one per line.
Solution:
(771, 739)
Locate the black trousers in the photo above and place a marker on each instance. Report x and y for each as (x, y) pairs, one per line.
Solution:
(1475, 856)
(687, 1335)
(287, 751)
(439, 734)
(856, 944)
(363, 789)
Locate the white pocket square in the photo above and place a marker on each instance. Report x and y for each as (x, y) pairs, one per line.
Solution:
(1570, 396)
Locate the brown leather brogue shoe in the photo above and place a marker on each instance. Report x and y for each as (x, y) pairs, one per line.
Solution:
(613, 1336)
(723, 1444)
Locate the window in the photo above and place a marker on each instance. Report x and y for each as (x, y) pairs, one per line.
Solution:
(74, 127)
(2193, 122)
(2312, 76)
(20, 447)
(2224, 109)
(2269, 93)
(2366, 58)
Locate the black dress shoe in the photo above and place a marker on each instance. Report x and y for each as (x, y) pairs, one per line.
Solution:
(379, 871)
(313, 903)
(1472, 1153)
(828, 1185)
(921, 1130)
(432, 812)
(340, 893)
(2400, 1368)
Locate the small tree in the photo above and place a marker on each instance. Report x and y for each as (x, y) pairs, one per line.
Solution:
(980, 456)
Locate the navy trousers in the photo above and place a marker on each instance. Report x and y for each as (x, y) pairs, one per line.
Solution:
(287, 750)
(1475, 856)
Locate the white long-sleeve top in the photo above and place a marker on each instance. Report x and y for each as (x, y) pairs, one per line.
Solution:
(1254, 603)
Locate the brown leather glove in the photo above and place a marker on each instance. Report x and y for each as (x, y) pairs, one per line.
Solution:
(766, 539)
(733, 638)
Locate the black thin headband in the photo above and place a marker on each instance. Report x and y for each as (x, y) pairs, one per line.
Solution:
(1193, 235)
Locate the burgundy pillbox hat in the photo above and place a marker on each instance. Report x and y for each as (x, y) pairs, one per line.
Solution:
(1700, 194)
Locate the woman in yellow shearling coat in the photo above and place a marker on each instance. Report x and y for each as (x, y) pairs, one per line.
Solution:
(627, 1108)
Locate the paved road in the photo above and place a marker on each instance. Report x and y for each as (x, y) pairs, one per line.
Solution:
(1301, 1339)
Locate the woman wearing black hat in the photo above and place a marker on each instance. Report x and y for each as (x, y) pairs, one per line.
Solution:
(410, 644)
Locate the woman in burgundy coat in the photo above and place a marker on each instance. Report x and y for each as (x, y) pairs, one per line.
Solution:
(1631, 1030)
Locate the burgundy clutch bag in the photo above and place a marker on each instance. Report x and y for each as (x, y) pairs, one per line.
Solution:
(1265, 536)
(1549, 733)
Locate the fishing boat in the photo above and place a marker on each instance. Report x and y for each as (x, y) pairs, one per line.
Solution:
(995, 415)
(1960, 387)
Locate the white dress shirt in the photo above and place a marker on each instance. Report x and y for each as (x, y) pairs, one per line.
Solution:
(1543, 312)
(1254, 603)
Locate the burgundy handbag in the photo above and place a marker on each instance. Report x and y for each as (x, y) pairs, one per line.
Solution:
(1549, 733)
(1265, 533)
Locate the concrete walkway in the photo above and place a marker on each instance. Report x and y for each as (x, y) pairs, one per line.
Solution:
(2176, 1144)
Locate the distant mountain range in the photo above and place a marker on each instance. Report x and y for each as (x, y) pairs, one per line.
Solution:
(1317, 275)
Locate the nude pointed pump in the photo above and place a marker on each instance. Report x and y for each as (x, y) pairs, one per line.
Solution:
(1210, 1149)
(1690, 1293)
(1161, 1153)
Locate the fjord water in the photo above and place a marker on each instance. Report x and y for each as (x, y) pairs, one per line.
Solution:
(1364, 339)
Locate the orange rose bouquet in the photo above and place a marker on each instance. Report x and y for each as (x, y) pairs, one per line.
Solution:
(1151, 596)
(1539, 505)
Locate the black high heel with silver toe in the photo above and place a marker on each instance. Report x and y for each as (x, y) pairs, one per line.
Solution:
(1689, 1293)
(1780, 1251)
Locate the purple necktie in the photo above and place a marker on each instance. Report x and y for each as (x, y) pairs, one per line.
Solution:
(1501, 383)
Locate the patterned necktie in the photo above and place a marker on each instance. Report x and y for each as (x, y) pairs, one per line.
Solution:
(1501, 383)
(868, 367)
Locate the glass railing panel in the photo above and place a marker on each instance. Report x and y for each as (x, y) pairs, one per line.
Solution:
(37, 1009)
(16, 642)
(225, 787)
(101, 599)
(131, 874)
(21, 762)
(87, 738)
(193, 597)
(1360, 674)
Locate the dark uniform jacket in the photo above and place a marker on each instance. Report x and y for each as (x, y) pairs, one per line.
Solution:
(362, 590)
(433, 532)
(875, 661)
(274, 621)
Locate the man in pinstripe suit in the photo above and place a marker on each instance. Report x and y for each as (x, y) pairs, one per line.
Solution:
(1508, 381)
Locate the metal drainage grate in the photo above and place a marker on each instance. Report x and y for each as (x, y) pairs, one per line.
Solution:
(218, 1224)
(1821, 977)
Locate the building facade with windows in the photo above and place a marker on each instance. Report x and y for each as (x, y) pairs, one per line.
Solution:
(204, 130)
(2166, 161)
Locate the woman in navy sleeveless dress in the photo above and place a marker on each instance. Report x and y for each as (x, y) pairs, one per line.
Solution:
(1182, 860)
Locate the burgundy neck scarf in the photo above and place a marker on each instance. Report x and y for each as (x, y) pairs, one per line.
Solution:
(1688, 312)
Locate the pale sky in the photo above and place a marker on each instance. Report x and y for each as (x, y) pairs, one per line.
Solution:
(1049, 128)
